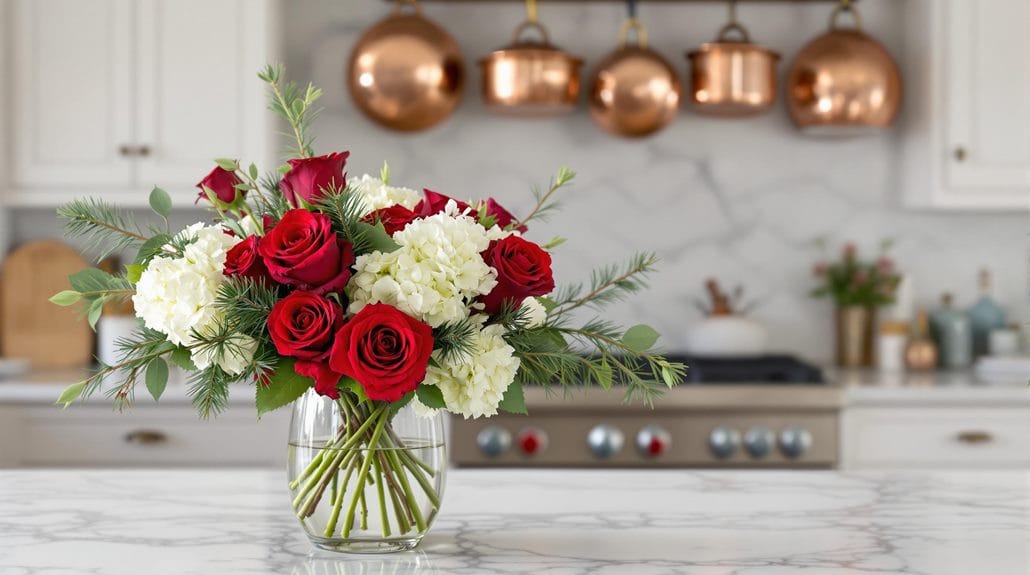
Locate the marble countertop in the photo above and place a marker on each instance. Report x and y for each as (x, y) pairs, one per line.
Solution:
(567, 522)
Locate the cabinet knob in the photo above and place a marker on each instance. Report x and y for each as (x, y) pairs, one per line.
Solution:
(126, 150)
(974, 437)
(143, 150)
(145, 437)
(960, 154)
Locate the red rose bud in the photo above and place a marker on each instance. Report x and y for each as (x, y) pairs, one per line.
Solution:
(309, 178)
(434, 203)
(303, 251)
(502, 217)
(243, 260)
(222, 184)
(327, 381)
(302, 325)
(393, 218)
(523, 270)
(384, 350)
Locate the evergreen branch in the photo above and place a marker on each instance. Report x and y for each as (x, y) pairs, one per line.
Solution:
(295, 107)
(607, 285)
(246, 304)
(209, 391)
(544, 204)
(347, 211)
(104, 227)
(454, 340)
(135, 352)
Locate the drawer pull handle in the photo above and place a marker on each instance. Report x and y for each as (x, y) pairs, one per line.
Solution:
(145, 437)
(974, 437)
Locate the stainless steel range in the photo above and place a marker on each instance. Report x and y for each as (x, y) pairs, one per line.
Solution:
(765, 412)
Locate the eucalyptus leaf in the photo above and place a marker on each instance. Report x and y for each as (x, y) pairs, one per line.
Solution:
(604, 374)
(95, 310)
(133, 272)
(640, 338)
(160, 202)
(71, 393)
(91, 280)
(66, 298)
(284, 387)
(430, 396)
(151, 248)
(157, 377)
(227, 164)
(514, 400)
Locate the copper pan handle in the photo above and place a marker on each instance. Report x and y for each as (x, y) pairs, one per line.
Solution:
(725, 31)
(516, 36)
(635, 26)
(398, 7)
(845, 7)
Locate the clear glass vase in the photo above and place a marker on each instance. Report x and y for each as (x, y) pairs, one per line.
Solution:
(364, 478)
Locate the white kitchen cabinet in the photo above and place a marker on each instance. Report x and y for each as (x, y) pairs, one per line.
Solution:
(967, 106)
(116, 96)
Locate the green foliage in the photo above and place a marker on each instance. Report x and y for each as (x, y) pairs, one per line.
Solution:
(430, 396)
(182, 357)
(103, 227)
(514, 400)
(454, 341)
(66, 298)
(545, 203)
(853, 281)
(608, 285)
(283, 387)
(160, 202)
(151, 249)
(246, 304)
(296, 106)
(346, 209)
(156, 377)
(209, 391)
(70, 394)
(640, 338)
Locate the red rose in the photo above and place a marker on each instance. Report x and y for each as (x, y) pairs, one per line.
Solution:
(393, 218)
(243, 260)
(308, 178)
(303, 251)
(302, 325)
(222, 183)
(384, 350)
(523, 270)
(434, 203)
(501, 216)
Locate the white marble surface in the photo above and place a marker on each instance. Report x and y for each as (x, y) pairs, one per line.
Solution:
(553, 522)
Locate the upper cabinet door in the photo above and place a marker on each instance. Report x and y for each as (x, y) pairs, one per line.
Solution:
(71, 93)
(198, 94)
(987, 87)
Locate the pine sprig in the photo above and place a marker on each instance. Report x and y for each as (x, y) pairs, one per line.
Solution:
(209, 391)
(455, 340)
(246, 304)
(296, 106)
(608, 285)
(103, 227)
(347, 210)
(545, 204)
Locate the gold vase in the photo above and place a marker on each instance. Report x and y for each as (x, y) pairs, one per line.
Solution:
(855, 336)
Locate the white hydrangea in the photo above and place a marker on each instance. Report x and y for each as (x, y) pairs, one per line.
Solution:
(536, 313)
(175, 295)
(236, 354)
(378, 194)
(434, 274)
(473, 386)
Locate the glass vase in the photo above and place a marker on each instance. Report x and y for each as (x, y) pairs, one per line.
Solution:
(364, 477)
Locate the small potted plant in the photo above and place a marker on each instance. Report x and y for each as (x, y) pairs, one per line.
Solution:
(726, 330)
(858, 287)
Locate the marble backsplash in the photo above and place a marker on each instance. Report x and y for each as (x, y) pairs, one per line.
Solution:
(740, 200)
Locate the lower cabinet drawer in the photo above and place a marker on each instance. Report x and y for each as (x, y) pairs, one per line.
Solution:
(937, 438)
(147, 436)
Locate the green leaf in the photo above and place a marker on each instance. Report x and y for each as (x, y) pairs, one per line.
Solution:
(430, 396)
(378, 239)
(151, 248)
(253, 172)
(95, 310)
(160, 202)
(401, 403)
(66, 298)
(548, 303)
(284, 387)
(227, 164)
(554, 242)
(157, 377)
(182, 357)
(514, 401)
(71, 393)
(91, 280)
(640, 338)
(133, 272)
(604, 374)
(354, 387)
(384, 173)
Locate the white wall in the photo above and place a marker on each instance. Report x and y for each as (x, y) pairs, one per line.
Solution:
(738, 199)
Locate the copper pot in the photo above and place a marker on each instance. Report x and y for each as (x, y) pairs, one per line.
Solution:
(635, 91)
(406, 72)
(732, 78)
(843, 82)
(530, 77)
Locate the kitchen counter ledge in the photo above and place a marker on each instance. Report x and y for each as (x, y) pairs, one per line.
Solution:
(502, 521)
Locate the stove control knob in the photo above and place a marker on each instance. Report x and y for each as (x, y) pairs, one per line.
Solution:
(795, 441)
(493, 440)
(531, 440)
(759, 442)
(653, 441)
(723, 441)
(605, 441)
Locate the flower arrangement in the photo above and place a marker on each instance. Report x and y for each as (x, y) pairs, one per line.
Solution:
(370, 294)
(855, 282)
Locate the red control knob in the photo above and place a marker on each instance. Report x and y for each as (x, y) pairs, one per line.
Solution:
(656, 446)
(653, 441)
(532, 441)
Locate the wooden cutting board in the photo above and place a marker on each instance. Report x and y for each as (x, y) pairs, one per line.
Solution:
(31, 327)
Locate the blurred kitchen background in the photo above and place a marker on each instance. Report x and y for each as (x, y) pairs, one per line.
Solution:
(110, 97)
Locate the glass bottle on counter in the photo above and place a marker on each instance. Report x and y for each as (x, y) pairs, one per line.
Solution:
(985, 316)
(953, 333)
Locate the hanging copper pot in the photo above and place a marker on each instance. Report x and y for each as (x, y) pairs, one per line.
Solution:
(530, 77)
(634, 91)
(732, 78)
(406, 72)
(843, 82)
